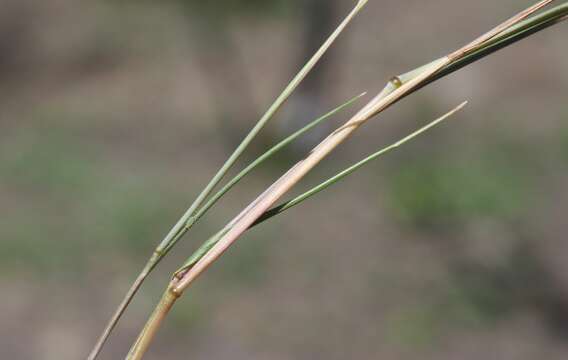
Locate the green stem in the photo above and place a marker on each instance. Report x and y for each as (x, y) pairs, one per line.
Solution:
(123, 305)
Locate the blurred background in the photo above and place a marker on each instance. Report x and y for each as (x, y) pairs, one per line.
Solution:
(115, 113)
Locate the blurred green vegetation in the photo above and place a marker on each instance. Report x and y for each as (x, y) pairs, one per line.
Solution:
(443, 193)
(68, 202)
(474, 297)
(48, 160)
(447, 191)
(246, 267)
(222, 10)
(239, 7)
(563, 137)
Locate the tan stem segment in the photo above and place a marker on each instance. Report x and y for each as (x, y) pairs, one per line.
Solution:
(288, 180)
(149, 332)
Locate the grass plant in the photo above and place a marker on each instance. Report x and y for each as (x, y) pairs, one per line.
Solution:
(525, 23)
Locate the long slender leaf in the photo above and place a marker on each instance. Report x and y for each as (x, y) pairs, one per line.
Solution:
(348, 171)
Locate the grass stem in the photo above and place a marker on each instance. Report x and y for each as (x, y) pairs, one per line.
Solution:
(149, 332)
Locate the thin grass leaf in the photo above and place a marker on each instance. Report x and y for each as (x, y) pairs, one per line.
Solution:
(348, 171)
